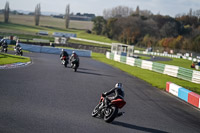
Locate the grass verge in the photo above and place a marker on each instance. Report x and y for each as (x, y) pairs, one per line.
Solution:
(179, 62)
(9, 59)
(155, 79)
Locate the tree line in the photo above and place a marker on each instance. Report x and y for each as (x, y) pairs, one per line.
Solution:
(36, 14)
(144, 29)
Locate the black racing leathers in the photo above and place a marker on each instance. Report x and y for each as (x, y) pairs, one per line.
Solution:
(64, 53)
(118, 94)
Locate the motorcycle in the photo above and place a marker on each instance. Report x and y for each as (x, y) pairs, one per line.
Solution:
(64, 61)
(18, 51)
(110, 112)
(4, 49)
(74, 65)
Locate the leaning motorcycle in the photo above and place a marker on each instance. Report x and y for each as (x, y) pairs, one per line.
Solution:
(4, 49)
(110, 112)
(64, 61)
(74, 65)
(18, 51)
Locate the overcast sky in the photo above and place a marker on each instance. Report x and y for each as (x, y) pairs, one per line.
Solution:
(164, 7)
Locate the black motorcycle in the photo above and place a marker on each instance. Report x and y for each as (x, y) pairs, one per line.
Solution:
(110, 112)
(75, 65)
(18, 51)
(4, 49)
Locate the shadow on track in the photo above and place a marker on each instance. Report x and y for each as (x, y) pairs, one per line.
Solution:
(126, 125)
(85, 69)
(92, 73)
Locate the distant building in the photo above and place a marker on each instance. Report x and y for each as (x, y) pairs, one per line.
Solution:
(78, 16)
(58, 16)
(82, 17)
(43, 33)
(61, 40)
(61, 34)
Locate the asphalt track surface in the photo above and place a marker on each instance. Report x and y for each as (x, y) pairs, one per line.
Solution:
(45, 97)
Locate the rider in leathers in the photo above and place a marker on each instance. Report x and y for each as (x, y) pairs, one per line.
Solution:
(64, 53)
(74, 58)
(118, 92)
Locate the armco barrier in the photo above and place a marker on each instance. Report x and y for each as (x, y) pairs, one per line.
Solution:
(158, 67)
(147, 65)
(130, 61)
(185, 74)
(183, 94)
(175, 71)
(171, 70)
(51, 50)
(196, 77)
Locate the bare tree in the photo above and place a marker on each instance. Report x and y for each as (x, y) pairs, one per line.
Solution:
(67, 16)
(116, 12)
(37, 14)
(6, 12)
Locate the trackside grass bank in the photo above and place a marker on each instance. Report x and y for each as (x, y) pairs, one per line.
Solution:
(9, 59)
(155, 79)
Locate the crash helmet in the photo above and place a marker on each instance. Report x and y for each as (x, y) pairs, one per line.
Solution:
(118, 85)
(73, 52)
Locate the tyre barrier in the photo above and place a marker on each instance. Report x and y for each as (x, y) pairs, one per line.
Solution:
(184, 94)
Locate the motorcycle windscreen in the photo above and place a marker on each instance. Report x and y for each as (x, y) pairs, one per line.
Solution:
(119, 103)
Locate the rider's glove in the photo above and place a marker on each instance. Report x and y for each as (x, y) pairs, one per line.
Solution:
(103, 94)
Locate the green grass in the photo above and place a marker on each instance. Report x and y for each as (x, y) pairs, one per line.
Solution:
(11, 48)
(88, 43)
(138, 48)
(144, 57)
(155, 79)
(9, 59)
(24, 25)
(179, 62)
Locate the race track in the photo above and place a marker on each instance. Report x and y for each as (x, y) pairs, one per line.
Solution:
(45, 97)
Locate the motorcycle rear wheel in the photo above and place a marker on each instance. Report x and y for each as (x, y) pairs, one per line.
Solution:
(110, 113)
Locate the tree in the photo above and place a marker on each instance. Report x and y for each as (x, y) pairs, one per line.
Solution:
(67, 16)
(6, 12)
(110, 27)
(117, 12)
(37, 14)
(99, 23)
(137, 12)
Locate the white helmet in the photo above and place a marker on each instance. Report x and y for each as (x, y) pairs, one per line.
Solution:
(73, 52)
(62, 49)
(118, 85)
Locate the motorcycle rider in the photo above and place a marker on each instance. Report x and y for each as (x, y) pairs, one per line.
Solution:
(74, 58)
(4, 45)
(64, 53)
(118, 92)
(17, 47)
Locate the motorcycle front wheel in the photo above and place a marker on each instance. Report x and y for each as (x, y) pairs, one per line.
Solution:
(95, 111)
(110, 113)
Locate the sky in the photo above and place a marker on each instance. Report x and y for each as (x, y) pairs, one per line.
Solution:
(163, 7)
